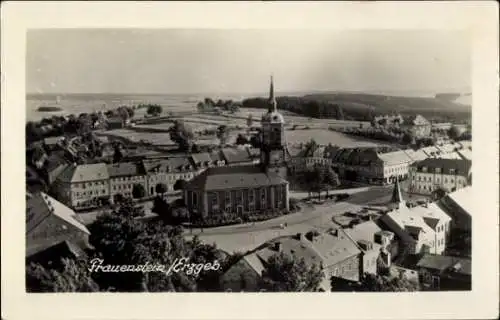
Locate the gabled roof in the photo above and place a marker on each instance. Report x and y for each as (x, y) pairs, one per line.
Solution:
(416, 155)
(334, 248)
(407, 221)
(364, 231)
(40, 206)
(222, 178)
(432, 214)
(395, 157)
(123, 169)
(235, 155)
(52, 140)
(201, 158)
(446, 263)
(461, 167)
(177, 164)
(84, 172)
(463, 198)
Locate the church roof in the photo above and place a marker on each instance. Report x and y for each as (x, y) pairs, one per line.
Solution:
(222, 178)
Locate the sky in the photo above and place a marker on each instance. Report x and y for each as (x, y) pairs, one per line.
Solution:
(171, 61)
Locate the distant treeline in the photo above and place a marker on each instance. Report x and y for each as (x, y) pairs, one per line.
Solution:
(363, 107)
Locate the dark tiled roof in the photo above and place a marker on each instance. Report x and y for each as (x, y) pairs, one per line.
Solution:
(124, 169)
(201, 158)
(446, 263)
(222, 178)
(235, 155)
(462, 167)
(178, 164)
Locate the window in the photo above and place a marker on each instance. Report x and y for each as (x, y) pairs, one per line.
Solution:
(214, 199)
(194, 196)
(263, 198)
(445, 180)
(251, 195)
(279, 193)
(228, 198)
(451, 180)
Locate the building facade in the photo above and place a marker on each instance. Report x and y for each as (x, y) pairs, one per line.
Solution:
(417, 125)
(167, 172)
(83, 186)
(429, 175)
(122, 178)
(240, 190)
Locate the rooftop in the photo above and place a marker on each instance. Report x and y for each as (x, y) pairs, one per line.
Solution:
(39, 207)
(463, 198)
(124, 169)
(446, 263)
(395, 157)
(235, 155)
(84, 172)
(461, 167)
(222, 178)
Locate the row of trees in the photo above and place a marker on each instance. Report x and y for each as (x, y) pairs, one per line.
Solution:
(307, 107)
(209, 105)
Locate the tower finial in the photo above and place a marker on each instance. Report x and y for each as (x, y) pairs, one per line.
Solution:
(272, 99)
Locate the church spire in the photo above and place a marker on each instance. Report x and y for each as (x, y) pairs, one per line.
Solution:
(397, 198)
(272, 100)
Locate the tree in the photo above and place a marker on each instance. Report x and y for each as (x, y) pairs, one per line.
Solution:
(455, 132)
(182, 135)
(138, 191)
(74, 277)
(160, 207)
(330, 179)
(286, 273)
(370, 282)
(129, 209)
(222, 134)
(117, 155)
(200, 107)
(154, 109)
(439, 193)
(161, 188)
(408, 138)
(180, 184)
(241, 139)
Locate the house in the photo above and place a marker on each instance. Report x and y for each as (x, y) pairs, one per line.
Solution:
(83, 186)
(309, 157)
(413, 232)
(372, 165)
(431, 174)
(243, 189)
(168, 172)
(51, 143)
(333, 250)
(54, 166)
(202, 161)
(438, 220)
(372, 241)
(122, 178)
(444, 273)
(50, 225)
(459, 206)
(417, 125)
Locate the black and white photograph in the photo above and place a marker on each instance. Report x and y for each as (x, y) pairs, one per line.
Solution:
(238, 160)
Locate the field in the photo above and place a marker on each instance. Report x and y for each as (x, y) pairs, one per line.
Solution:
(325, 137)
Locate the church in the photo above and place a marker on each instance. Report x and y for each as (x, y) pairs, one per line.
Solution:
(246, 190)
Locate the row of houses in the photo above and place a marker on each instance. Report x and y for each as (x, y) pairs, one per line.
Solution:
(88, 185)
(449, 163)
(348, 253)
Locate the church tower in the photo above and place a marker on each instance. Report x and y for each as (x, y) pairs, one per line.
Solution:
(273, 149)
(397, 201)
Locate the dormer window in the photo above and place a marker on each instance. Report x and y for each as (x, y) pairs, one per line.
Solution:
(424, 169)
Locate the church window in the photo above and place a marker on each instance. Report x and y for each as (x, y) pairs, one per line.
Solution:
(251, 195)
(228, 198)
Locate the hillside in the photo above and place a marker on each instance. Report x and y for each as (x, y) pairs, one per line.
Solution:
(362, 107)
